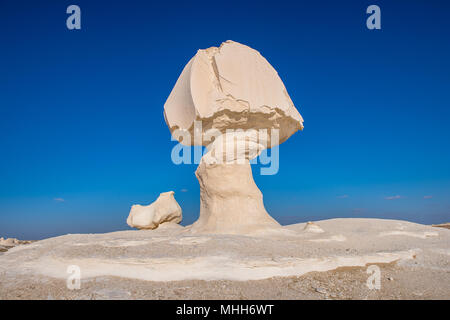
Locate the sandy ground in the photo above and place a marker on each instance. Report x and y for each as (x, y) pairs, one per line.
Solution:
(414, 263)
(342, 283)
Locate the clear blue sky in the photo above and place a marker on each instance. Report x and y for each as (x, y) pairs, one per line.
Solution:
(81, 112)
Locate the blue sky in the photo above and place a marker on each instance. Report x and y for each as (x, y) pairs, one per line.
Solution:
(82, 134)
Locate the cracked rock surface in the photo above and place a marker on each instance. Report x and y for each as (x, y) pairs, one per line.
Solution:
(231, 87)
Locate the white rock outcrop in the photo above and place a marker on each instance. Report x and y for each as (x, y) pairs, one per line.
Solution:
(230, 87)
(164, 209)
(231, 100)
(313, 228)
(9, 241)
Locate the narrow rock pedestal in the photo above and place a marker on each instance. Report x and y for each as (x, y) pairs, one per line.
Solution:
(230, 201)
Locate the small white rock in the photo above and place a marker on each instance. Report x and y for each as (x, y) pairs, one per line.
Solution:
(164, 209)
(312, 227)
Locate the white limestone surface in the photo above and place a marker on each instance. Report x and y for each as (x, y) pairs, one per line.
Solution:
(171, 254)
(164, 210)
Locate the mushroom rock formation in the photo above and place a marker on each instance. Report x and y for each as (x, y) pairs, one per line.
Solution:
(164, 209)
(243, 108)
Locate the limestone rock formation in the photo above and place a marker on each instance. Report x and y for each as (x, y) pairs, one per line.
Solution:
(164, 209)
(230, 87)
(231, 100)
(312, 227)
(230, 200)
(9, 241)
(442, 225)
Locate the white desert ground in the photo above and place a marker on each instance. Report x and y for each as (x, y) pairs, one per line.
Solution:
(325, 260)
